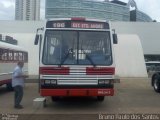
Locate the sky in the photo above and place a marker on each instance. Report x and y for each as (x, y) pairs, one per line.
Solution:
(150, 7)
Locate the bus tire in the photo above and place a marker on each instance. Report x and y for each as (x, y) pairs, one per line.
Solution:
(100, 98)
(9, 87)
(55, 98)
(156, 84)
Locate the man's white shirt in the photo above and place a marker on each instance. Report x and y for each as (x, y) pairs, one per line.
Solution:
(20, 80)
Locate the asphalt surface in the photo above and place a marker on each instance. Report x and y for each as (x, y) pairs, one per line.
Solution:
(132, 96)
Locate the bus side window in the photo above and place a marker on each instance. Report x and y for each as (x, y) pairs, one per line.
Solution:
(25, 56)
(10, 55)
(15, 56)
(0, 54)
(20, 56)
(4, 54)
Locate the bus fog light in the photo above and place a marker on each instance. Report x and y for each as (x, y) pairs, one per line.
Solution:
(47, 82)
(103, 81)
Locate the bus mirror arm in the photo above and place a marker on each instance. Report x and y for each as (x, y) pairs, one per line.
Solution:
(38, 36)
(40, 29)
(115, 39)
(36, 39)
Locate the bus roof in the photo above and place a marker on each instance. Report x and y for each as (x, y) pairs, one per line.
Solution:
(78, 19)
(10, 46)
(153, 62)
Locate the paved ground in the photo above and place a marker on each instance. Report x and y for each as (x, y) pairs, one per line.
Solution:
(133, 96)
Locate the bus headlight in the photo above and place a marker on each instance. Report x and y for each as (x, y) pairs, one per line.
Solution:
(50, 82)
(101, 82)
(42, 82)
(53, 82)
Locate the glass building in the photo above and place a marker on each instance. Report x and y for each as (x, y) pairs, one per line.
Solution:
(139, 16)
(27, 9)
(87, 8)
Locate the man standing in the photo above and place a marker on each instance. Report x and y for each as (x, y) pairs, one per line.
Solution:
(18, 84)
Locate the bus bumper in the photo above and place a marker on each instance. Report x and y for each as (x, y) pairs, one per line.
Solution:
(77, 92)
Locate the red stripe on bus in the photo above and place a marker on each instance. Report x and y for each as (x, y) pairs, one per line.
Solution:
(100, 70)
(54, 70)
(77, 92)
(6, 61)
(2, 82)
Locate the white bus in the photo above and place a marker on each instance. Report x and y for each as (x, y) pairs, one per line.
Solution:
(9, 56)
(76, 58)
(153, 66)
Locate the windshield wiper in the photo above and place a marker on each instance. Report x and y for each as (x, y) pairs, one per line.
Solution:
(89, 58)
(70, 51)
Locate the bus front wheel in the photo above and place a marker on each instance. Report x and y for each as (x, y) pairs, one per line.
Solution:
(100, 98)
(9, 87)
(55, 98)
(156, 85)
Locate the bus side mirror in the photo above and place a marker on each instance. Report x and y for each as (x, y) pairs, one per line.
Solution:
(115, 39)
(36, 39)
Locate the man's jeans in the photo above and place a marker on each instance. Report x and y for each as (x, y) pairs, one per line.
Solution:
(18, 95)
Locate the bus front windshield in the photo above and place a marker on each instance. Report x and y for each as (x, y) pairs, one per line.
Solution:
(77, 48)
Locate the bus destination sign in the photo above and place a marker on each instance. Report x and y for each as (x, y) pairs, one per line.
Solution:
(77, 24)
(88, 25)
